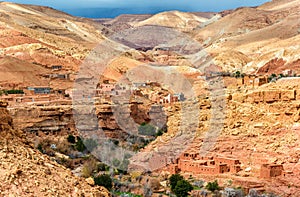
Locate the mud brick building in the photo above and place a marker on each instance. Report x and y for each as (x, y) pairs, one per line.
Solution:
(193, 162)
(271, 170)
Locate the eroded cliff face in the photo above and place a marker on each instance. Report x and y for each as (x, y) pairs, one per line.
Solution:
(117, 121)
(26, 172)
(43, 118)
(5, 119)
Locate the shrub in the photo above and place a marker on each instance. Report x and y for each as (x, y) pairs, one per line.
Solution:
(13, 91)
(103, 180)
(71, 139)
(174, 179)
(64, 147)
(88, 168)
(116, 162)
(159, 133)
(237, 74)
(147, 129)
(212, 186)
(40, 148)
(79, 145)
(182, 188)
(101, 167)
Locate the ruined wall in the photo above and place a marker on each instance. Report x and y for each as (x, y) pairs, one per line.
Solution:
(267, 96)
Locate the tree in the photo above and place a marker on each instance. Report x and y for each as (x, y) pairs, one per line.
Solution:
(273, 75)
(103, 180)
(79, 145)
(182, 188)
(174, 179)
(147, 129)
(212, 186)
(71, 139)
(237, 74)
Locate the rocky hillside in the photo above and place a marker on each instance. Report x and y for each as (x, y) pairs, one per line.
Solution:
(41, 37)
(26, 172)
(259, 35)
(174, 19)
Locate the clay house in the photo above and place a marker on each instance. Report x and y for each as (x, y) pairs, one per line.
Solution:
(137, 85)
(56, 67)
(74, 93)
(105, 88)
(170, 98)
(232, 82)
(121, 89)
(193, 162)
(258, 81)
(59, 76)
(38, 90)
(248, 80)
(233, 164)
(180, 96)
(271, 170)
(288, 73)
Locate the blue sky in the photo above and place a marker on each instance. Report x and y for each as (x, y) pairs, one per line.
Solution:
(140, 6)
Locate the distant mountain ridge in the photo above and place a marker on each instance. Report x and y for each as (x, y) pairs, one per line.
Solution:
(114, 12)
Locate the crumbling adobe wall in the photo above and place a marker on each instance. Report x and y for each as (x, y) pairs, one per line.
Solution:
(267, 96)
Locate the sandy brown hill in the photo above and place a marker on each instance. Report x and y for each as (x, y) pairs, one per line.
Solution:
(25, 171)
(279, 4)
(65, 36)
(122, 22)
(240, 21)
(43, 36)
(264, 33)
(174, 19)
(15, 71)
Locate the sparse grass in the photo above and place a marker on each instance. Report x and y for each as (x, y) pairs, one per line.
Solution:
(89, 168)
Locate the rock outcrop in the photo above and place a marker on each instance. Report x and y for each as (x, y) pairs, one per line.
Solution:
(27, 172)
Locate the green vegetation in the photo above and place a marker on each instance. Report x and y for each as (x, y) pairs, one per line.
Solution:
(79, 145)
(82, 145)
(12, 92)
(128, 194)
(147, 129)
(237, 74)
(174, 179)
(71, 139)
(212, 186)
(40, 148)
(89, 168)
(101, 167)
(116, 162)
(159, 133)
(182, 188)
(272, 77)
(103, 180)
(179, 185)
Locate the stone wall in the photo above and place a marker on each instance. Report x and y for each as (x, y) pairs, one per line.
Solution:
(267, 96)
